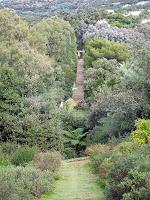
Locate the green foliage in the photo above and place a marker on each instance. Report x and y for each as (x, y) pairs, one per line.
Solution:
(97, 159)
(71, 104)
(113, 109)
(3, 161)
(125, 148)
(101, 48)
(24, 183)
(74, 133)
(142, 132)
(97, 135)
(8, 148)
(12, 26)
(81, 20)
(129, 177)
(74, 142)
(125, 169)
(55, 34)
(104, 168)
(70, 152)
(12, 188)
(98, 153)
(73, 119)
(32, 84)
(22, 156)
(56, 38)
(120, 20)
(75, 137)
(102, 72)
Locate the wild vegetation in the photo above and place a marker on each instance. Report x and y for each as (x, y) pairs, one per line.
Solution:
(40, 123)
(124, 168)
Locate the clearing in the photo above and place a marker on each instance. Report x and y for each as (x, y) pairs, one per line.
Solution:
(77, 183)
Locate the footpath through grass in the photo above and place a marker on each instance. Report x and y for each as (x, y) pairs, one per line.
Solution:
(77, 183)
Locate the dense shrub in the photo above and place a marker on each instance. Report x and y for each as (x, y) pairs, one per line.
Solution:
(36, 181)
(125, 148)
(104, 168)
(125, 169)
(98, 153)
(119, 152)
(48, 161)
(129, 177)
(74, 132)
(97, 148)
(97, 159)
(3, 161)
(142, 132)
(10, 187)
(69, 153)
(23, 155)
(8, 148)
(23, 183)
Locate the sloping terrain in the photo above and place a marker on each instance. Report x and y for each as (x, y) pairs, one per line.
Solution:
(78, 93)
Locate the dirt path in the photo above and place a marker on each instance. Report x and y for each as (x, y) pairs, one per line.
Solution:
(77, 183)
(78, 93)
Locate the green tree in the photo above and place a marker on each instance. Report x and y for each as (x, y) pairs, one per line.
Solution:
(56, 38)
(31, 88)
(12, 26)
(102, 72)
(101, 48)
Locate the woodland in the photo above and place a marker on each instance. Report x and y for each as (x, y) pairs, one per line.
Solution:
(42, 127)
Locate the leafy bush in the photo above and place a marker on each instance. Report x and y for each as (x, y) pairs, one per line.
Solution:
(48, 161)
(3, 161)
(37, 182)
(105, 167)
(120, 151)
(69, 152)
(125, 148)
(22, 156)
(12, 188)
(8, 148)
(97, 159)
(23, 183)
(74, 132)
(119, 20)
(129, 178)
(102, 157)
(98, 153)
(142, 132)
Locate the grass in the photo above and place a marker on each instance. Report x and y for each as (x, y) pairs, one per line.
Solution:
(77, 183)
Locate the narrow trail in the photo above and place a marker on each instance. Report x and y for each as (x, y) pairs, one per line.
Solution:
(78, 93)
(77, 183)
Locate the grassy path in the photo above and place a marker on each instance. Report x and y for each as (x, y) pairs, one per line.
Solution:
(77, 183)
